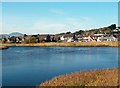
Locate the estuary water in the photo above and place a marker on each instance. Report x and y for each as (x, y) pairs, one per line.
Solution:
(30, 66)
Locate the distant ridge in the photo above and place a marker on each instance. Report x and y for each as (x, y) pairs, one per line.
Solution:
(5, 34)
(16, 34)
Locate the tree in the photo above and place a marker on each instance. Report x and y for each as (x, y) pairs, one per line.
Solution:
(113, 26)
(41, 39)
(48, 38)
(53, 39)
(13, 39)
(4, 40)
(62, 33)
(74, 37)
(59, 39)
(78, 32)
(68, 32)
(25, 35)
(33, 40)
(26, 41)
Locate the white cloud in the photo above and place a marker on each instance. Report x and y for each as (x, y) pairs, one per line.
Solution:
(67, 24)
(49, 26)
(45, 25)
(82, 23)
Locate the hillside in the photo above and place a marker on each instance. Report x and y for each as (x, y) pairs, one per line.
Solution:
(104, 30)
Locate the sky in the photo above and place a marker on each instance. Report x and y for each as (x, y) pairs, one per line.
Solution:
(60, 0)
(56, 17)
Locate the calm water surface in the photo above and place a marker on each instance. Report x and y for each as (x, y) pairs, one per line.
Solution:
(30, 66)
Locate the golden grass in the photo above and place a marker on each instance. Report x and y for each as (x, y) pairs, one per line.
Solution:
(69, 44)
(106, 77)
(3, 47)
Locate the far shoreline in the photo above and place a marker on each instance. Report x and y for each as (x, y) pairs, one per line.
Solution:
(66, 44)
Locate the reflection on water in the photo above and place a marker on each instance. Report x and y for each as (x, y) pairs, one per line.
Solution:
(29, 66)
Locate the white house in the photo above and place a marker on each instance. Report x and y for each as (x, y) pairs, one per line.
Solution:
(85, 39)
(110, 38)
(70, 40)
(62, 38)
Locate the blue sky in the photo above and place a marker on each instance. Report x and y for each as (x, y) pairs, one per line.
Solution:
(57, 17)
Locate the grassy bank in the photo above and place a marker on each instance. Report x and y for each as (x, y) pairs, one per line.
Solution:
(69, 44)
(106, 77)
(3, 47)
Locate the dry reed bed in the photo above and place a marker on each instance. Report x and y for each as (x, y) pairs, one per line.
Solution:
(106, 77)
(69, 44)
(3, 47)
